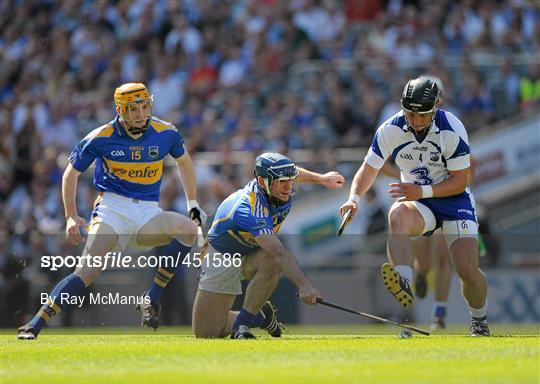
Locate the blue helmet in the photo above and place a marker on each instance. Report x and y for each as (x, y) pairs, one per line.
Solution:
(273, 167)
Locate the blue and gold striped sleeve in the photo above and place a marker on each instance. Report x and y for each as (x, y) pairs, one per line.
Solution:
(255, 221)
(177, 148)
(86, 151)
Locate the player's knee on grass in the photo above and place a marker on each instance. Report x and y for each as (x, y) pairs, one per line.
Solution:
(202, 332)
(210, 314)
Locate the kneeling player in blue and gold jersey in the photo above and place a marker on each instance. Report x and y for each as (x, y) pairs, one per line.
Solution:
(244, 231)
(129, 153)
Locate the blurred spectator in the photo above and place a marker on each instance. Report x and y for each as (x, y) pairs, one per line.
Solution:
(15, 285)
(167, 88)
(342, 120)
(183, 35)
(505, 86)
(529, 88)
(27, 152)
(476, 103)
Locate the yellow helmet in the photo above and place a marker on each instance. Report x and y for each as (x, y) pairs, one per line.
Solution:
(133, 94)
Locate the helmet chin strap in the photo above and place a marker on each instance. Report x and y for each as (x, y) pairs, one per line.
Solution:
(129, 123)
(135, 130)
(267, 187)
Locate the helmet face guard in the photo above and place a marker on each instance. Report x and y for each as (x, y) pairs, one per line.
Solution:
(274, 168)
(131, 96)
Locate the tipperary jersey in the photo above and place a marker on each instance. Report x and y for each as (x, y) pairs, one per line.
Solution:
(125, 166)
(426, 159)
(244, 215)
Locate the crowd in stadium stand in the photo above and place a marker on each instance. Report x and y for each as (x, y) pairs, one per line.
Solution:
(233, 75)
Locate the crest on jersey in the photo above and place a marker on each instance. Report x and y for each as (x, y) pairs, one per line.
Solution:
(434, 156)
(153, 151)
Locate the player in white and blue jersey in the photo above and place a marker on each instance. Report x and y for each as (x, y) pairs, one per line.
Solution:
(431, 149)
(129, 153)
(426, 248)
(245, 228)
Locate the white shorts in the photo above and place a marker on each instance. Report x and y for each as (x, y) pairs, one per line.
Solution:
(125, 215)
(216, 277)
(451, 229)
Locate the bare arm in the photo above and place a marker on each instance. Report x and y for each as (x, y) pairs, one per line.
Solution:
(390, 169)
(188, 176)
(329, 179)
(363, 180)
(189, 182)
(69, 192)
(453, 185)
(289, 266)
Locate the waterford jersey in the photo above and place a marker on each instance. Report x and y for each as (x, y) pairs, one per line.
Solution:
(241, 217)
(444, 148)
(128, 167)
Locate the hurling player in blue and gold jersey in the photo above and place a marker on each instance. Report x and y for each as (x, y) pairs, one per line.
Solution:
(128, 153)
(245, 227)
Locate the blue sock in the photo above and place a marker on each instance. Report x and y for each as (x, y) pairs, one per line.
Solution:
(72, 285)
(257, 320)
(248, 319)
(165, 274)
(244, 318)
(439, 309)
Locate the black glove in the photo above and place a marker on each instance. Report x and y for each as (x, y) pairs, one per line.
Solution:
(196, 213)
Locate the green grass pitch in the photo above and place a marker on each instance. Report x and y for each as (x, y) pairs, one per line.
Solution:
(352, 354)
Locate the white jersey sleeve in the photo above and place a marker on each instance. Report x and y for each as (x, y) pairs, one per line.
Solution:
(384, 141)
(455, 144)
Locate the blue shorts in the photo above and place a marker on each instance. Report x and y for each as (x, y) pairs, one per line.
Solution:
(452, 208)
(459, 207)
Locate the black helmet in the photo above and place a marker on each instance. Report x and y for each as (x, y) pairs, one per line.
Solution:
(420, 95)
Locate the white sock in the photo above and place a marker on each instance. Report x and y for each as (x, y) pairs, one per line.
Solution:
(440, 304)
(478, 312)
(404, 271)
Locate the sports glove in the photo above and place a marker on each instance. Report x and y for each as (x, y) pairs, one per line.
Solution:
(196, 213)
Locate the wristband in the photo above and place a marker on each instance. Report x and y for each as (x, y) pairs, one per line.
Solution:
(355, 198)
(427, 191)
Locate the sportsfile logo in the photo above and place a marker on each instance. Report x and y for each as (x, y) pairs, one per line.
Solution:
(118, 260)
